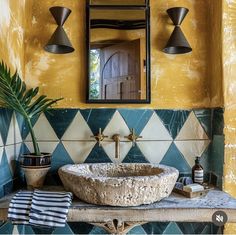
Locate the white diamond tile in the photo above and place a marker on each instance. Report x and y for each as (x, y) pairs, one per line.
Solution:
(12, 152)
(117, 125)
(192, 149)
(154, 151)
(43, 130)
(109, 148)
(192, 130)
(45, 147)
(18, 137)
(78, 129)
(1, 142)
(79, 150)
(155, 130)
(1, 153)
(11, 132)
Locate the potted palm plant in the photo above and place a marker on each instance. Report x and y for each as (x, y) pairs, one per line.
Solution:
(15, 95)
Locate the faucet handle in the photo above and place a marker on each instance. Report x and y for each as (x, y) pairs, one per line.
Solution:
(133, 137)
(99, 137)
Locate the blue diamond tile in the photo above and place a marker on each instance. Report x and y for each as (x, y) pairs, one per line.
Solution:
(24, 129)
(1, 192)
(60, 119)
(155, 228)
(136, 118)
(172, 228)
(5, 120)
(6, 228)
(218, 121)
(137, 230)
(8, 187)
(187, 228)
(80, 228)
(173, 120)
(5, 172)
(42, 230)
(97, 118)
(204, 116)
(97, 155)
(206, 160)
(64, 230)
(135, 156)
(25, 229)
(174, 158)
(217, 157)
(60, 157)
(98, 230)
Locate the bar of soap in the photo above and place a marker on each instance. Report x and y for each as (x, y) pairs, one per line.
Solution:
(193, 188)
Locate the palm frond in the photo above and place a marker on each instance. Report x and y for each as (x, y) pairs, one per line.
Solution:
(14, 95)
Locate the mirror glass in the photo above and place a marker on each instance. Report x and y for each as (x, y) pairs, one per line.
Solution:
(118, 51)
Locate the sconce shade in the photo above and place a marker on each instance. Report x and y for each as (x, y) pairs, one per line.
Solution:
(60, 14)
(59, 43)
(177, 14)
(177, 43)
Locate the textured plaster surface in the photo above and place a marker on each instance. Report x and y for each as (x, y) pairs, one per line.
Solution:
(229, 43)
(119, 184)
(65, 75)
(12, 34)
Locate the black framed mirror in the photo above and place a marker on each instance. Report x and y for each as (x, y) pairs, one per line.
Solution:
(118, 51)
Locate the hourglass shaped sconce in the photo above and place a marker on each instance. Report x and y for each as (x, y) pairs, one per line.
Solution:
(177, 43)
(59, 43)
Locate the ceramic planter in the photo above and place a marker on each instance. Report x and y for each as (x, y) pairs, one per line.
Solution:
(35, 168)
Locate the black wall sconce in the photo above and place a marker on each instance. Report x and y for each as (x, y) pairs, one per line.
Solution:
(59, 43)
(177, 43)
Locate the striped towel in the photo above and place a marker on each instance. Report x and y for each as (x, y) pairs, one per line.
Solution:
(19, 207)
(40, 208)
(49, 209)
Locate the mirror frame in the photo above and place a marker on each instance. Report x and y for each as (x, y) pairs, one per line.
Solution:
(145, 7)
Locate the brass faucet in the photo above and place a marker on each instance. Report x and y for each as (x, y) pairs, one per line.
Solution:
(116, 138)
(133, 137)
(99, 137)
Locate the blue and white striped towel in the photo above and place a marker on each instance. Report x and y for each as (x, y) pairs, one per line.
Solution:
(40, 208)
(49, 209)
(19, 207)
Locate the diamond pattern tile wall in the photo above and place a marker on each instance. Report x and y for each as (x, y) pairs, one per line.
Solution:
(171, 137)
(155, 130)
(192, 149)
(154, 151)
(79, 150)
(192, 130)
(78, 129)
(116, 125)
(43, 130)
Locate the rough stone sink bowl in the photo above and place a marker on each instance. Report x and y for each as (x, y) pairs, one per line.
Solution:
(130, 184)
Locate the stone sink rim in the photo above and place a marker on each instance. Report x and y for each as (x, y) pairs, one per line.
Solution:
(166, 170)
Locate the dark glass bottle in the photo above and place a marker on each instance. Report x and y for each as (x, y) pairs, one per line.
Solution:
(197, 172)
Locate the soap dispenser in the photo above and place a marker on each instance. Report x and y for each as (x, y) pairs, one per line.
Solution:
(197, 172)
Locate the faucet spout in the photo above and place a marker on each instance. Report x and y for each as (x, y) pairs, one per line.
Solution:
(116, 138)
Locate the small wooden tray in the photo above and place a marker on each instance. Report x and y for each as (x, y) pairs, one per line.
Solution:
(193, 194)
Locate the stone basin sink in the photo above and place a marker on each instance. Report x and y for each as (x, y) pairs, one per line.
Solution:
(130, 184)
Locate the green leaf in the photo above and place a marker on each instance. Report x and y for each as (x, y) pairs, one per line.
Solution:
(14, 94)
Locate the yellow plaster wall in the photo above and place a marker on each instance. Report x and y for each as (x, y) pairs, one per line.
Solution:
(12, 34)
(229, 81)
(65, 75)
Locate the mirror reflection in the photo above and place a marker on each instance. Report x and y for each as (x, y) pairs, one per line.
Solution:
(118, 55)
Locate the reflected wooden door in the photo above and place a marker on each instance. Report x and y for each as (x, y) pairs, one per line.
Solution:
(121, 71)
